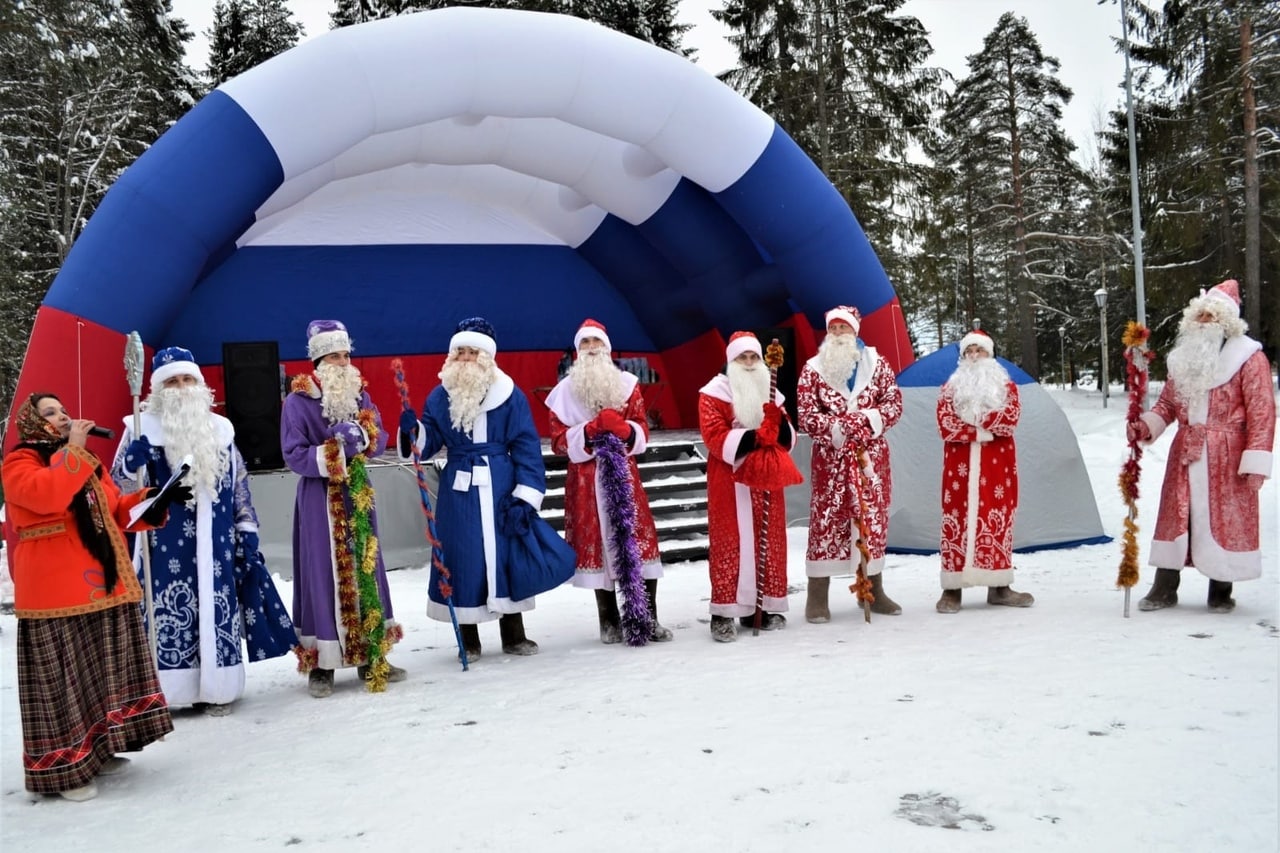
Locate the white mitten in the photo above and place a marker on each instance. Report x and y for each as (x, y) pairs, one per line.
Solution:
(837, 435)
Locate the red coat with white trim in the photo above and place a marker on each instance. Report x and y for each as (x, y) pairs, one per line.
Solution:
(1209, 514)
(979, 493)
(736, 514)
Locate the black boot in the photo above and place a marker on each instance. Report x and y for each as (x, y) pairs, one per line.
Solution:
(471, 641)
(1220, 600)
(610, 620)
(1164, 592)
(659, 634)
(514, 642)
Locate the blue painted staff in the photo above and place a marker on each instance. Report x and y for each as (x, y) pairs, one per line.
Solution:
(437, 552)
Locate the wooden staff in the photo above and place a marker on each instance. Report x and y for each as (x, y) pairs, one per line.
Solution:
(773, 356)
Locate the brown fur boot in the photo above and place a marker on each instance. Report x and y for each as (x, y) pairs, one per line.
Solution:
(1009, 597)
(883, 604)
(816, 608)
(1164, 592)
(949, 602)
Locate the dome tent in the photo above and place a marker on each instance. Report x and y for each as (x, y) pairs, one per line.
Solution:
(405, 173)
(1056, 507)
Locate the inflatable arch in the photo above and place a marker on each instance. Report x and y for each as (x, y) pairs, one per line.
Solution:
(404, 174)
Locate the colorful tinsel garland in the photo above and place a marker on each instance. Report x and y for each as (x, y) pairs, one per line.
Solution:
(620, 507)
(1137, 362)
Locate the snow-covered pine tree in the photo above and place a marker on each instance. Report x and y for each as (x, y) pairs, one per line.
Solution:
(85, 87)
(246, 33)
(1005, 120)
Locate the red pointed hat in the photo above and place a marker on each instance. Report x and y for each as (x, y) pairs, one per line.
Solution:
(847, 314)
(740, 342)
(591, 329)
(1229, 290)
(979, 337)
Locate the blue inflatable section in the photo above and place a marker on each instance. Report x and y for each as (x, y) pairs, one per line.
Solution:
(936, 368)
(153, 234)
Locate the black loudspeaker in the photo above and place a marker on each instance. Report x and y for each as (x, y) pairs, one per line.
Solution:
(251, 373)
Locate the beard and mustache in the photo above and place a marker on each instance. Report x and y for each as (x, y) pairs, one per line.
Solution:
(750, 387)
(837, 356)
(978, 387)
(596, 382)
(184, 413)
(340, 387)
(466, 383)
(1193, 361)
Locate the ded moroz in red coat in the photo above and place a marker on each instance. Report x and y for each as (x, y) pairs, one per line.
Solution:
(734, 513)
(979, 493)
(1208, 513)
(835, 479)
(585, 518)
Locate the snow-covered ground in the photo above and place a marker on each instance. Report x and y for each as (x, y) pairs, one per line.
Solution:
(1064, 727)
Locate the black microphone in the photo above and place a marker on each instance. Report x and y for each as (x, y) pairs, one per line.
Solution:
(101, 432)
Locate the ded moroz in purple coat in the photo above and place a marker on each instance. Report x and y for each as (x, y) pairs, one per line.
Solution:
(303, 432)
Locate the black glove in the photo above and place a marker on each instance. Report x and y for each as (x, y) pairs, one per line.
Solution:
(155, 514)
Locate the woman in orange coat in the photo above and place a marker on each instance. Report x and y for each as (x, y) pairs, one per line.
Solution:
(87, 684)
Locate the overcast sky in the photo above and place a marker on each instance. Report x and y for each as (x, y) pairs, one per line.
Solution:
(1080, 33)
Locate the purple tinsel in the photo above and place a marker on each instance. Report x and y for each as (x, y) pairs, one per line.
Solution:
(620, 507)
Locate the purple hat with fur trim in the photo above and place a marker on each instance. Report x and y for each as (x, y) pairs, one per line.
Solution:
(325, 337)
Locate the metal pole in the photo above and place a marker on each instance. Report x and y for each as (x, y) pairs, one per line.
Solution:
(1062, 352)
(1106, 384)
(1138, 287)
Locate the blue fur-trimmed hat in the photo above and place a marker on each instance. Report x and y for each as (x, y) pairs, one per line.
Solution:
(173, 361)
(475, 332)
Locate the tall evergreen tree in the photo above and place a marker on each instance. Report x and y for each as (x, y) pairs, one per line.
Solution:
(847, 80)
(85, 87)
(246, 33)
(1006, 115)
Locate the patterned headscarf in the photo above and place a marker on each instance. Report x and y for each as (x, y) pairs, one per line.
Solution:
(88, 505)
(33, 429)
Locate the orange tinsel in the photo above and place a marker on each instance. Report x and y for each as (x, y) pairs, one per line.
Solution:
(1137, 361)
(861, 586)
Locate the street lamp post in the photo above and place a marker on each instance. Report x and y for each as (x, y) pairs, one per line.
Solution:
(1062, 351)
(1100, 296)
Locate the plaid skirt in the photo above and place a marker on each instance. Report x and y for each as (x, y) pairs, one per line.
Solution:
(88, 689)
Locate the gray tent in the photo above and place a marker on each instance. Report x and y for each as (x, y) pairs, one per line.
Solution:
(1056, 508)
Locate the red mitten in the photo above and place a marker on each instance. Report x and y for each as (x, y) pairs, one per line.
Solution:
(767, 432)
(1137, 430)
(593, 429)
(611, 420)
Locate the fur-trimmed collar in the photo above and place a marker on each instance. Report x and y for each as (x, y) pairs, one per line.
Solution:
(1234, 353)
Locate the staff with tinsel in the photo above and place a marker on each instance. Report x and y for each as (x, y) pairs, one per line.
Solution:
(367, 640)
(424, 495)
(861, 586)
(1138, 360)
(765, 469)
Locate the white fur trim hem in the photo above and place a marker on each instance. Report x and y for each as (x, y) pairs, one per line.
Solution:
(977, 577)
(840, 568)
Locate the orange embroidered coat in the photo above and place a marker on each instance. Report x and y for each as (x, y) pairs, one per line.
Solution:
(54, 574)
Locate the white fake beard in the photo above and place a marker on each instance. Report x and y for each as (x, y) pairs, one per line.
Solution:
(978, 388)
(596, 382)
(1193, 361)
(837, 356)
(340, 387)
(466, 383)
(750, 387)
(188, 431)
